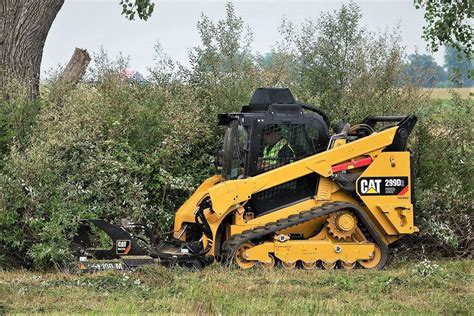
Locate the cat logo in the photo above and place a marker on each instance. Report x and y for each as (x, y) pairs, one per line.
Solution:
(383, 186)
(370, 186)
(123, 247)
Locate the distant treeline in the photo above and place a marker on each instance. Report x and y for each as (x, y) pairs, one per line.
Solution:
(457, 71)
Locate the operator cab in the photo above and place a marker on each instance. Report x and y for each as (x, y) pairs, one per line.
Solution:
(273, 130)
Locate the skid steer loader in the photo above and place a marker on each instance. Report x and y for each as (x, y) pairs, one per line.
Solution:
(289, 194)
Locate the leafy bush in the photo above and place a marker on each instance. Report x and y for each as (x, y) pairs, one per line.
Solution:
(17, 118)
(348, 71)
(444, 187)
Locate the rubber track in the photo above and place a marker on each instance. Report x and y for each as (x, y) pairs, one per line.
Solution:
(231, 245)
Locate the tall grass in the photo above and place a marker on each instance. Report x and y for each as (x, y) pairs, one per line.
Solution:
(443, 287)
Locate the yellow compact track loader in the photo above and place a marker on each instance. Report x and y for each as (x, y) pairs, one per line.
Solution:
(289, 194)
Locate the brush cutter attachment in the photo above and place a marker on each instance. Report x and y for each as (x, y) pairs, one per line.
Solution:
(105, 246)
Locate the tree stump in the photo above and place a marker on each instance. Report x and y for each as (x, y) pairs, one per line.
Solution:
(72, 73)
(75, 69)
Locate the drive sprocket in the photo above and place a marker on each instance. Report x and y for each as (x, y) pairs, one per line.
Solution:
(341, 224)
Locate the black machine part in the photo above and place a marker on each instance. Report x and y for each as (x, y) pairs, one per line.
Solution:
(405, 126)
(133, 250)
(186, 254)
(123, 243)
(316, 110)
(263, 97)
(306, 133)
(347, 181)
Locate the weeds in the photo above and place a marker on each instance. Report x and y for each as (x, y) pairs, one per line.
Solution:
(406, 288)
(426, 268)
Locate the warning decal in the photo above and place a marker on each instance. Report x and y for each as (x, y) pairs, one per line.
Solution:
(382, 186)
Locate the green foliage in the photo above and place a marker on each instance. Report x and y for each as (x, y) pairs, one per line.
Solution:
(459, 66)
(345, 69)
(434, 287)
(426, 268)
(448, 23)
(223, 73)
(445, 194)
(142, 8)
(115, 147)
(17, 118)
(70, 170)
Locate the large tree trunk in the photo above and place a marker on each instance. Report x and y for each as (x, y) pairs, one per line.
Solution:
(24, 26)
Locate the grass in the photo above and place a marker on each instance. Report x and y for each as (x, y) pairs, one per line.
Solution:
(445, 93)
(401, 288)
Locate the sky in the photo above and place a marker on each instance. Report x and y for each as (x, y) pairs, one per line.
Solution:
(92, 24)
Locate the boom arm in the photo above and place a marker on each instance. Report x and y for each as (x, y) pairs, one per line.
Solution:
(228, 195)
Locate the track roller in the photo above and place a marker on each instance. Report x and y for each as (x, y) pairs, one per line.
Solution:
(348, 265)
(309, 265)
(328, 265)
(288, 266)
(269, 265)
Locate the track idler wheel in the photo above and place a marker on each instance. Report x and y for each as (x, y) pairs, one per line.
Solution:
(240, 257)
(374, 261)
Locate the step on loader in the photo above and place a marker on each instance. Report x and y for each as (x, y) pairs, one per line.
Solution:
(290, 193)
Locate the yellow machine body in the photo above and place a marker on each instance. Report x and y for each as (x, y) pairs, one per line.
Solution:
(390, 214)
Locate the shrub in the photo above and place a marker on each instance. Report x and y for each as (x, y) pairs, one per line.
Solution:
(17, 118)
(108, 149)
(444, 187)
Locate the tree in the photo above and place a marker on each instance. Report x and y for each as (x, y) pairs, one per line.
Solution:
(328, 48)
(459, 67)
(223, 64)
(342, 66)
(448, 23)
(423, 71)
(24, 26)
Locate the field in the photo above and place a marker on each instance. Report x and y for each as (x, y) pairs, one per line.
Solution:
(442, 287)
(445, 93)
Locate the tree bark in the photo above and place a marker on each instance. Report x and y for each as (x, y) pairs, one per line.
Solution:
(24, 26)
(75, 69)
